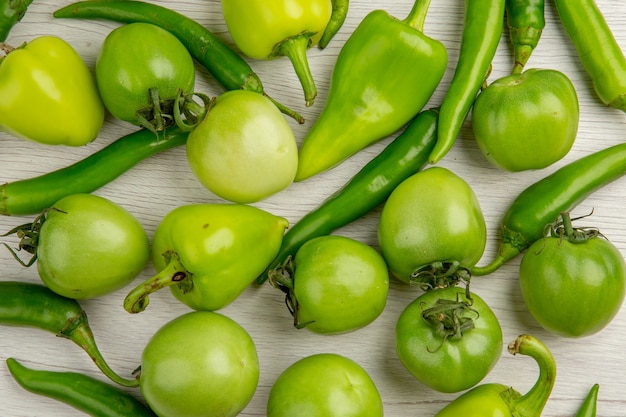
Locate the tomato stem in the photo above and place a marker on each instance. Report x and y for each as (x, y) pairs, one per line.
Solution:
(174, 273)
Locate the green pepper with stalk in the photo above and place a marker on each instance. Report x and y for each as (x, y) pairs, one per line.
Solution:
(384, 75)
(266, 30)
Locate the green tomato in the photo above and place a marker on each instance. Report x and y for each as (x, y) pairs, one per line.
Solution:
(136, 58)
(447, 342)
(340, 284)
(208, 254)
(431, 224)
(244, 150)
(89, 246)
(199, 364)
(526, 121)
(49, 95)
(324, 385)
(571, 288)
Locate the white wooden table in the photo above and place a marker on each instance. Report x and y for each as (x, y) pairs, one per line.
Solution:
(157, 185)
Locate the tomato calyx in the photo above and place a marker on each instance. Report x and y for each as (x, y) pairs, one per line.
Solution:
(28, 233)
(451, 319)
(182, 111)
(565, 230)
(441, 274)
(173, 274)
(282, 277)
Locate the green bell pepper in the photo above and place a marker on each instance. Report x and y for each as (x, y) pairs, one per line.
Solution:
(384, 75)
(48, 94)
(265, 30)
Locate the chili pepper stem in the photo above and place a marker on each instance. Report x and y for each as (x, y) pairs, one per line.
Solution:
(506, 252)
(295, 49)
(589, 405)
(83, 336)
(417, 15)
(337, 18)
(532, 403)
(287, 111)
(174, 273)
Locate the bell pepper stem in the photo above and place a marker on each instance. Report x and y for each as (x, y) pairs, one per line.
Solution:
(589, 405)
(532, 403)
(174, 272)
(295, 49)
(417, 15)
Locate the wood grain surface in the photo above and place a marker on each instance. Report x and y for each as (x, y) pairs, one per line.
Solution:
(159, 184)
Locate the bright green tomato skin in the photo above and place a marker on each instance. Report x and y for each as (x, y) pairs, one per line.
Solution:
(244, 150)
(224, 246)
(455, 364)
(573, 289)
(340, 283)
(324, 385)
(482, 401)
(199, 364)
(135, 58)
(526, 121)
(90, 246)
(431, 216)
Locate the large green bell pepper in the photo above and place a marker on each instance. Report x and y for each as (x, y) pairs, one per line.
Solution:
(384, 75)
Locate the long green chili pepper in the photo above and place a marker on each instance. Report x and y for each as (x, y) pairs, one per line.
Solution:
(543, 201)
(228, 67)
(369, 188)
(35, 305)
(589, 405)
(340, 12)
(11, 12)
(84, 393)
(599, 52)
(526, 21)
(33, 195)
(484, 20)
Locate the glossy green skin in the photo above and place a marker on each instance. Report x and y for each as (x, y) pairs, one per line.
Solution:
(49, 95)
(450, 365)
(573, 289)
(340, 284)
(526, 121)
(432, 216)
(11, 12)
(526, 21)
(244, 150)
(90, 246)
(223, 246)
(483, 401)
(324, 385)
(135, 58)
(365, 102)
(199, 364)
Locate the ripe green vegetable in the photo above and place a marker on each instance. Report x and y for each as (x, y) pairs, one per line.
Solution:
(85, 246)
(324, 384)
(526, 121)
(573, 281)
(265, 30)
(199, 364)
(48, 94)
(244, 150)
(208, 254)
(335, 284)
(448, 339)
(432, 229)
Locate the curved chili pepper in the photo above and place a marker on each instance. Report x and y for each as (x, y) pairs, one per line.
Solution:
(87, 394)
(33, 195)
(11, 12)
(34, 305)
(526, 21)
(589, 405)
(228, 67)
(340, 12)
(543, 201)
(369, 188)
(481, 34)
(597, 48)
